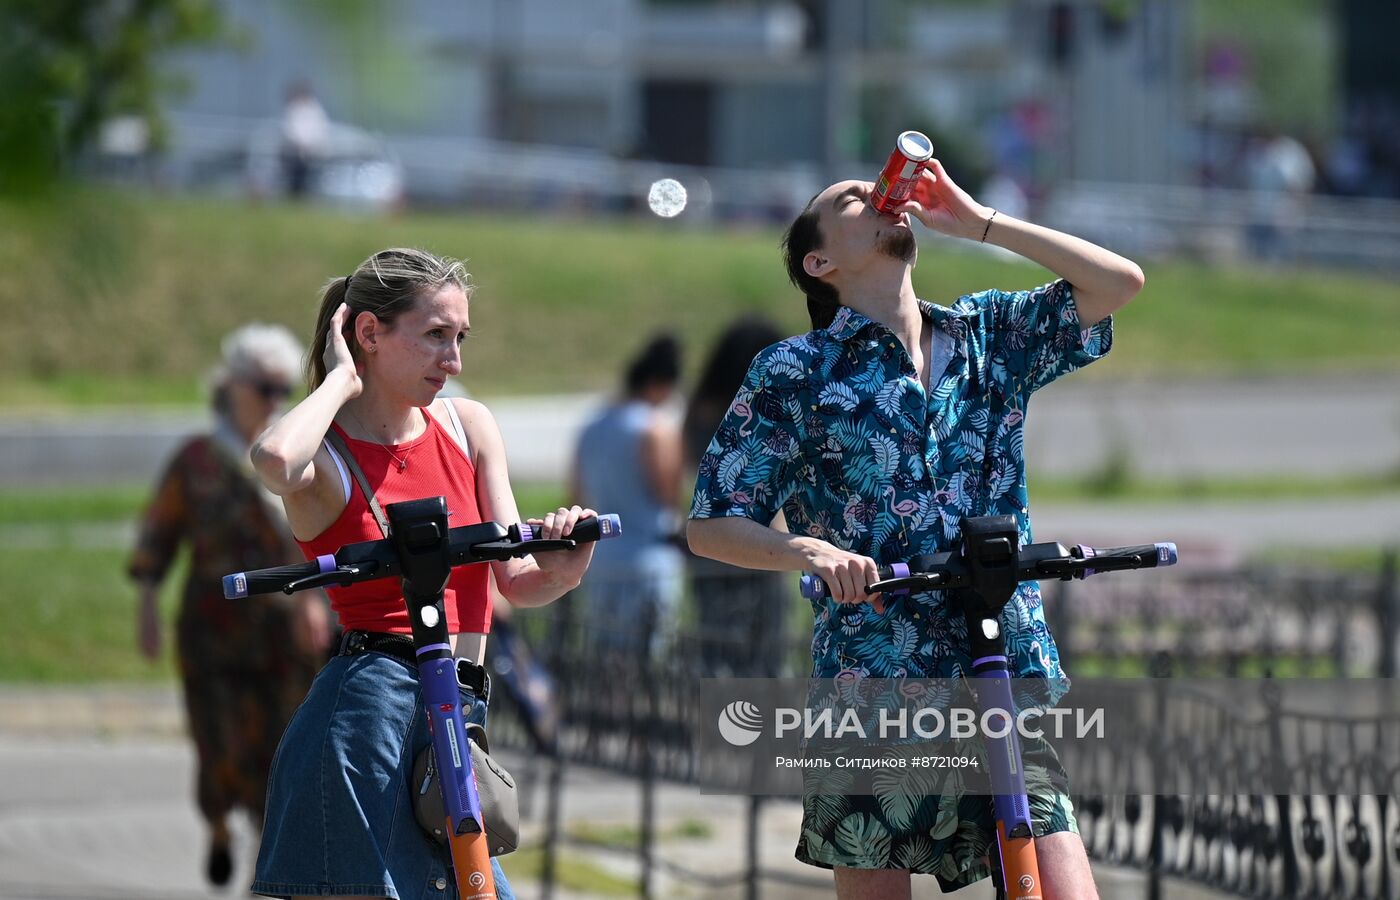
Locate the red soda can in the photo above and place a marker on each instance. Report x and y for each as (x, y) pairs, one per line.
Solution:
(912, 151)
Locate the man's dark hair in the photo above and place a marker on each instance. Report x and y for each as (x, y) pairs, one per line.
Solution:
(802, 237)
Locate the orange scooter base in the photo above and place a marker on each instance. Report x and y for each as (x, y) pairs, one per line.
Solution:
(471, 862)
(1020, 869)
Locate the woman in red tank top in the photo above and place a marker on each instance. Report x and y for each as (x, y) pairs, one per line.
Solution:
(388, 336)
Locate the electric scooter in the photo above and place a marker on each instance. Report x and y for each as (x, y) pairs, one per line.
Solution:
(422, 551)
(981, 577)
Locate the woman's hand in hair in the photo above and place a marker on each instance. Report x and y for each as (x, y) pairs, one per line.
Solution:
(285, 455)
(336, 354)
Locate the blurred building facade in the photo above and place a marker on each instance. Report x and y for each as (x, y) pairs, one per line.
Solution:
(821, 84)
(1060, 108)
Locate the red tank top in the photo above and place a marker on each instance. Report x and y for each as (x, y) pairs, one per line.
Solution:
(437, 466)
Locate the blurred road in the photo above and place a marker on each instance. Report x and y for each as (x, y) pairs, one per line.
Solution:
(1226, 529)
(95, 804)
(1314, 428)
(1305, 431)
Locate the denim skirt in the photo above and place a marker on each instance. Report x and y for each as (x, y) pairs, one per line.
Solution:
(339, 809)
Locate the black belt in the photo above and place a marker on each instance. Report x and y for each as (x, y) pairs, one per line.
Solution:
(400, 647)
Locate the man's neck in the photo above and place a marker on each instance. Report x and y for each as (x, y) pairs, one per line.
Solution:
(887, 296)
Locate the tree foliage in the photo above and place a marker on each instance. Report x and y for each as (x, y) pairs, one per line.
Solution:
(71, 65)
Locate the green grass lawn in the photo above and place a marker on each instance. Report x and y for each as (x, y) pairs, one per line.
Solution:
(64, 592)
(626, 836)
(71, 615)
(68, 506)
(120, 299)
(573, 872)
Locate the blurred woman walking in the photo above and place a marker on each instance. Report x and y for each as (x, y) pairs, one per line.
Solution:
(245, 665)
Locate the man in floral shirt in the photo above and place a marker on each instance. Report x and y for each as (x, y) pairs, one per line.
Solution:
(876, 434)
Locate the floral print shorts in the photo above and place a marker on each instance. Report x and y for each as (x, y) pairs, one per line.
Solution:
(947, 833)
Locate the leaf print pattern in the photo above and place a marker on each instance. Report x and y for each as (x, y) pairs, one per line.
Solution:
(890, 398)
(916, 855)
(884, 470)
(832, 428)
(920, 820)
(886, 455)
(839, 396)
(785, 364)
(905, 638)
(864, 836)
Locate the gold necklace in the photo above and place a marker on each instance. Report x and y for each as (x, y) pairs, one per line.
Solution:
(401, 460)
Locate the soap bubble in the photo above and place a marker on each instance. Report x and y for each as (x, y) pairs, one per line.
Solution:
(666, 198)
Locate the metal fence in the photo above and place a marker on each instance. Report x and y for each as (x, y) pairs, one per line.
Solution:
(624, 710)
(1339, 839)
(1220, 225)
(1248, 622)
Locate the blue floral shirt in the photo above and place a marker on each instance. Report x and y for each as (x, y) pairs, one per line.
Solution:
(834, 428)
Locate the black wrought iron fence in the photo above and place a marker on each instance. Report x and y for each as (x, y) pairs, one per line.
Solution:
(625, 710)
(1246, 622)
(1335, 834)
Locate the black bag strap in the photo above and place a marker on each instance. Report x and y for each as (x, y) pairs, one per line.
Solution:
(338, 445)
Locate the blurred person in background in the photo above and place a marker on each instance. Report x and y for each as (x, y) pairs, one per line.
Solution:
(245, 665)
(340, 818)
(628, 460)
(877, 433)
(512, 663)
(305, 133)
(1279, 174)
(741, 612)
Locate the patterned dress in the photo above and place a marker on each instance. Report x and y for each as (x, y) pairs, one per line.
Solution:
(242, 672)
(834, 428)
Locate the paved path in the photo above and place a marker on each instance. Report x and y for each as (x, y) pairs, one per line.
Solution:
(1305, 430)
(1225, 531)
(1311, 429)
(95, 805)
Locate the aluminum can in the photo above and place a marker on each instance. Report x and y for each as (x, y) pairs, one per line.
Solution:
(912, 151)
